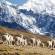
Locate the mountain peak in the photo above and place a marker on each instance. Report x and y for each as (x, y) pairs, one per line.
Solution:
(39, 5)
(5, 2)
(36, 16)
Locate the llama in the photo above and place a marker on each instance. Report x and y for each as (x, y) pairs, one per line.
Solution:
(38, 42)
(18, 40)
(8, 38)
(34, 41)
(53, 43)
(25, 42)
(49, 44)
(42, 44)
(21, 40)
(11, 39)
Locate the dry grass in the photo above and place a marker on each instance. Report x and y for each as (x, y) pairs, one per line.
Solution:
(28, 50)
(28, 35)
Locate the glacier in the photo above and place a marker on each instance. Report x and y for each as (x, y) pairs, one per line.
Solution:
(36, 16)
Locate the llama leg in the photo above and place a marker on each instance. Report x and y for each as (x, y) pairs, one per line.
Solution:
(48, 46)
(10, 42)
(7, 42)
(33, 43)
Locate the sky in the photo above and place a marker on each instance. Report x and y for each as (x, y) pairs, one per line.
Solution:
(18, 1)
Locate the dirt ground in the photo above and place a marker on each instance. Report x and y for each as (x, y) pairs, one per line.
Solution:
(27, 50)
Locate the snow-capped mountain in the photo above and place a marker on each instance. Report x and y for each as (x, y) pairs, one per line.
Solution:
(40, 5)
(36, 16)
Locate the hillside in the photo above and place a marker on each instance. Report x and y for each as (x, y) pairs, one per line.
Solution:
(25, 50)
(28, 35)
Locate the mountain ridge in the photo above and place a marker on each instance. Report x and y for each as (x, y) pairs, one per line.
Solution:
(28, 35)
(38, 23)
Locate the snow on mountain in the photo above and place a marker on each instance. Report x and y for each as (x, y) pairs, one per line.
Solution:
(36, 16)
(8, 3)
(11, 14)
(4, 1)
(12, 11)
(40, 5)
(29, 23)
(44, 13)
(7, 12)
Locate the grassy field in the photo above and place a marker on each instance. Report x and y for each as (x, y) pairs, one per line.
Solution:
(27, 50)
